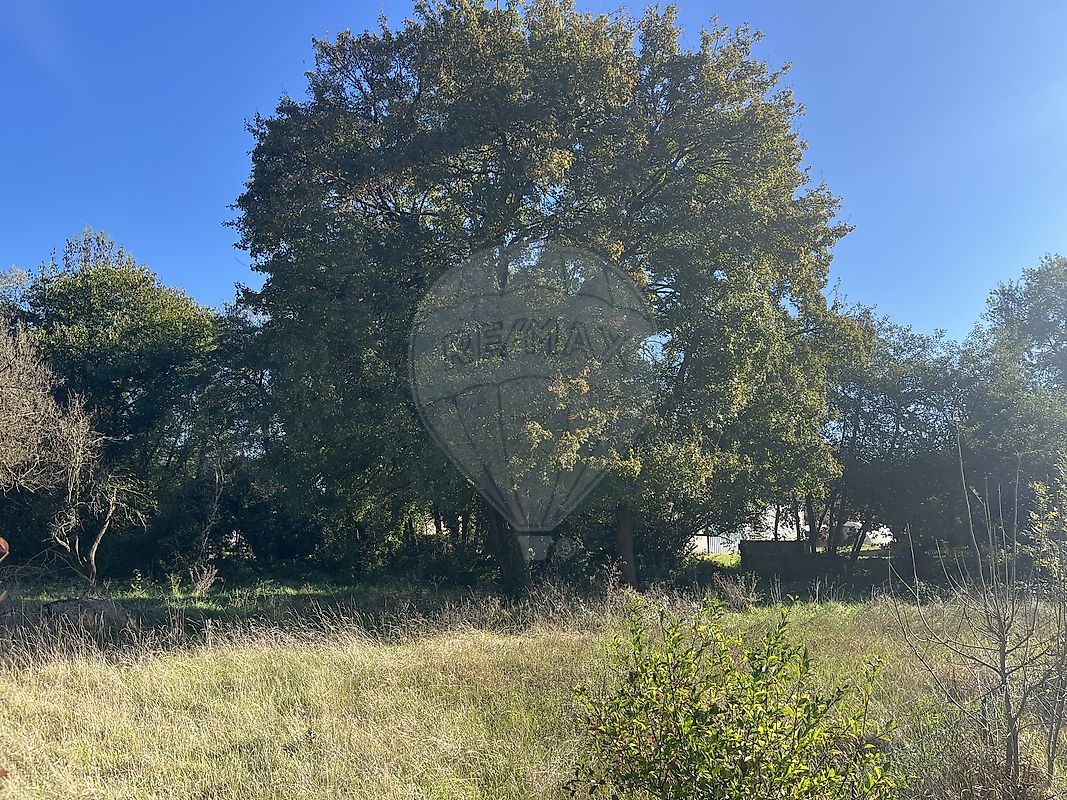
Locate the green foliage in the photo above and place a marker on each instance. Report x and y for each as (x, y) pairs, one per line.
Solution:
(1029, 316)
(892, 429)
(164, 381)
(475, 125)
(287, 425)
(899, 408)
(136, 350)
(698, 714)
(1044, 540)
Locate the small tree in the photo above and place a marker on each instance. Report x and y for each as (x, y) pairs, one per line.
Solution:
(91, 499)
(997, 652)
(50, 446)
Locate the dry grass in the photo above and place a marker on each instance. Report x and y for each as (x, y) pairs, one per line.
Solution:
(473, 701)
(462, 715)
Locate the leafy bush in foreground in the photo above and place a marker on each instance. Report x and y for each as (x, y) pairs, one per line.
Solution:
(697, 714)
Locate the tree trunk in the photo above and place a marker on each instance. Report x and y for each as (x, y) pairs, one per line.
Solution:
(450, 526)
(514, 571)
(624, 542)
(857, 545)
(777, 519)
(813, 523)
(837, 527)
(90, 560)
(796, 516)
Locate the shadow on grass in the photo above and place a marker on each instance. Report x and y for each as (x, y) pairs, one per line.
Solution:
(161, 618)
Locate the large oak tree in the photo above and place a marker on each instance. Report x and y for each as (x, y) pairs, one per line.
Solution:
(474, 125)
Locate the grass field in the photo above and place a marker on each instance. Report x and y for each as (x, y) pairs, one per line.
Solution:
(473, 701)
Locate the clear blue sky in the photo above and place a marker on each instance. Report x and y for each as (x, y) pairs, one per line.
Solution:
(943, 126)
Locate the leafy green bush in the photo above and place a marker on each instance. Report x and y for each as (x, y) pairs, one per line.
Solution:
(697, 714)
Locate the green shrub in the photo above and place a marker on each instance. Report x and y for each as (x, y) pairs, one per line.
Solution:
(697, 714)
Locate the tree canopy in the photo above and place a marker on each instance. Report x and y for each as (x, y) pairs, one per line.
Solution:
(475, 125)
(281, 430)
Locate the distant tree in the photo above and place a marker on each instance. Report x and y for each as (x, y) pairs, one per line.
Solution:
(1028, 317)
(476, 125)
(1012, 380)
(905, 413)
(892, 428)
(135, 350)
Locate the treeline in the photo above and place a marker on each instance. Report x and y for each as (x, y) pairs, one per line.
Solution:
(278, 434)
